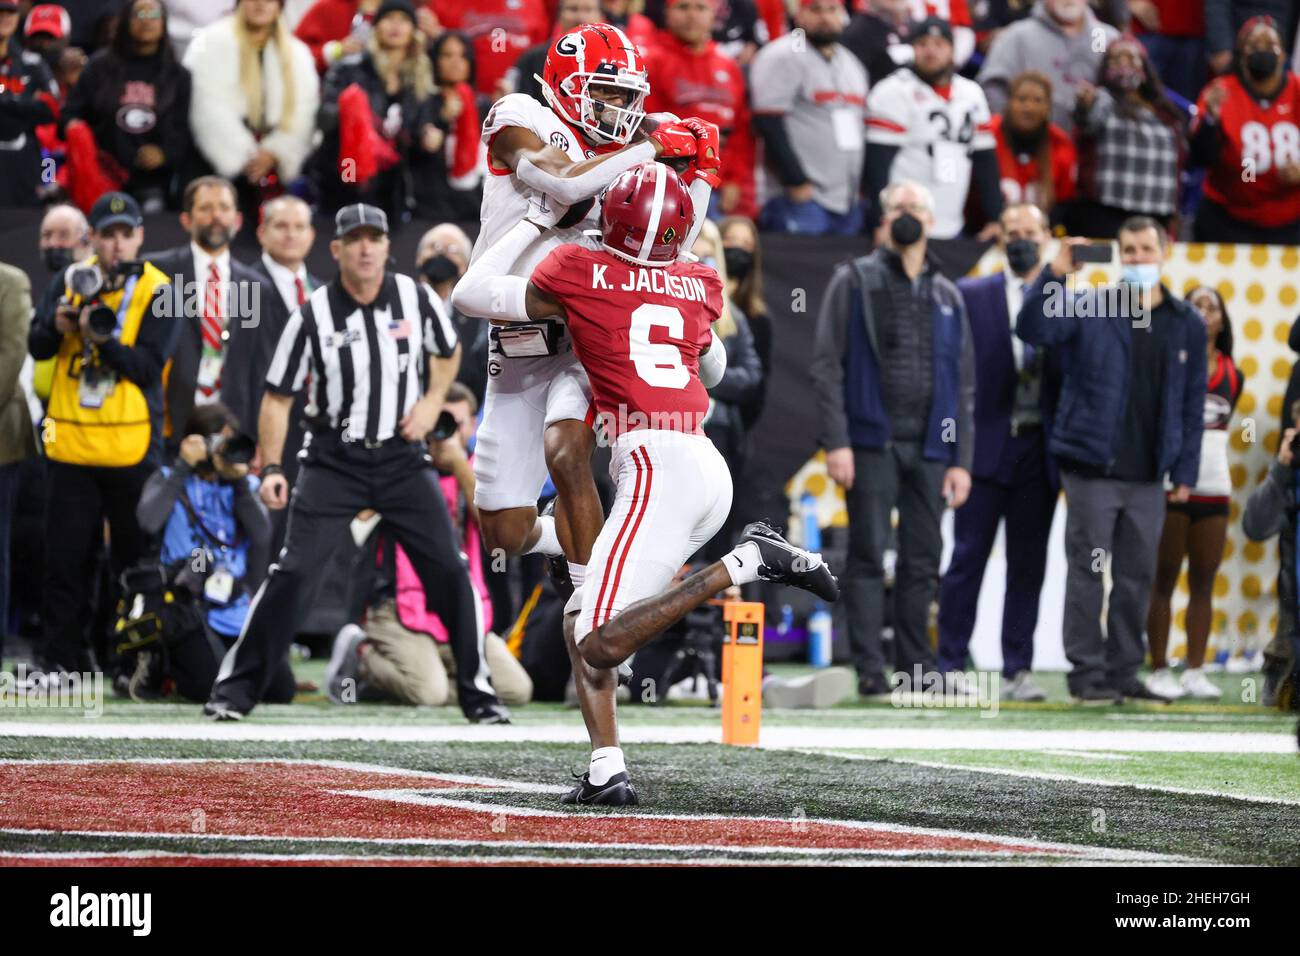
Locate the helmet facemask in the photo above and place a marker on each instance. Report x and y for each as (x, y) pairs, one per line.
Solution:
(604, 122)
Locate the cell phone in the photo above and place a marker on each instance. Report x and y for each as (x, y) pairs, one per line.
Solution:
(1092, 253)
(445, 427)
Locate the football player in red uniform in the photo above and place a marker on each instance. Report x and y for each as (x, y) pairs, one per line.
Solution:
(536, 413)
(640, 320)
(1247, 131)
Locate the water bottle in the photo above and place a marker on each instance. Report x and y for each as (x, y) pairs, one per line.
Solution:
(819, 636)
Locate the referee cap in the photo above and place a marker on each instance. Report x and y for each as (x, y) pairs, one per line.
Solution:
(359, 216)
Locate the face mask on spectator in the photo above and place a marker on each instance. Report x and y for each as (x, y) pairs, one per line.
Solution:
(439, 269)
(1261, 63)
(56, 258)
(1144, 275)
(905, 230)
(1124, 76)
(1022, 255)
(739, 261)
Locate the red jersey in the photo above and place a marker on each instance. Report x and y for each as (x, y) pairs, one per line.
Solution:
(638, 331)
(1020, 172)
(1258, 138)
(707, 84)
(500, 30)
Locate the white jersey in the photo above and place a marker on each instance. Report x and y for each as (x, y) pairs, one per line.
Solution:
(936, 136)
(505, 198)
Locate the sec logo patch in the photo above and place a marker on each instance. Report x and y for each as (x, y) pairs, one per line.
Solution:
(560, 141)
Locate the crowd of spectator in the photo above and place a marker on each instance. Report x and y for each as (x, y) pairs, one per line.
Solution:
(892, 119)
(1154, 106)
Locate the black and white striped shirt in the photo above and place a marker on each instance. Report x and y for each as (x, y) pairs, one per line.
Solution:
(368, 363)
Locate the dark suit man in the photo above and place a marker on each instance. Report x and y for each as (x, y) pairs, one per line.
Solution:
(286, 235)
(1013, 477)
(220, 354)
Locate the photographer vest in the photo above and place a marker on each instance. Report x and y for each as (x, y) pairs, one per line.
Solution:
(104, 421)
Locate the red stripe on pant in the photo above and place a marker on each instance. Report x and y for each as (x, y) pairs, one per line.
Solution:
(627, 547)
(618, 540)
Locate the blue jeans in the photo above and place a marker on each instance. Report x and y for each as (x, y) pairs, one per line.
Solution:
(1180, 61)
(810, 218)
(8, 491)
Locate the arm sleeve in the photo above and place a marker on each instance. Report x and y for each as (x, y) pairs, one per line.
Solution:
(777, 148)
(774, 80)
(888, 116)
(175, 135)
(743, 377)
(440, 339)
(15, 316)
(875, 176)
(1206, 141)
(159, 495)
(43, 340)
(966, 397)
(700, 192)
(291, 145)
(487, 290)
(828, 359)
(1218, 25)
(1186, 469)
(713, 363)
(311, 31)
(1033, 325)
(987, 179)
(1090, 120)
(251, 516)
(142, 363)
(1266, 508)
(573, 189)
(288, 369)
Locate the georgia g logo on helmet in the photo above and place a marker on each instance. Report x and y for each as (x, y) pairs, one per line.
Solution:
(601, 55)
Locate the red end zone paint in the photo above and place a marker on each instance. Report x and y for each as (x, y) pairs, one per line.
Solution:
(311, 801)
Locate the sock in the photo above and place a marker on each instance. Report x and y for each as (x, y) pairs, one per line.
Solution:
(605, 762)
(743, 562)
(547, 543)
(577, 574)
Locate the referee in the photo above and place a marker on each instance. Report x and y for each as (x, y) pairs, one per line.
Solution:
(362, 338)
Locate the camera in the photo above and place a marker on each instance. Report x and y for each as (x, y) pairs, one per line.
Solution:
(445, 427)
(88, 283)
(237, 449)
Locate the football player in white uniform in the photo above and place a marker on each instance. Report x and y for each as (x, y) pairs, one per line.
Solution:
(926, 124)
(538, 415)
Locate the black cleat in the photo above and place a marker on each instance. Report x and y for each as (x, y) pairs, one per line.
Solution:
(222, 713)
(489, 714)
(624, 674)
(557, 565)
(615, 792)
(783, 563)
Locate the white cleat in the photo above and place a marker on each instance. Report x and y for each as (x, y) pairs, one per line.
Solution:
(1164, 683)
(1196, 684)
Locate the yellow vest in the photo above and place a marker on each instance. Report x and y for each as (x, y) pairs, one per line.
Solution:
(116, 434)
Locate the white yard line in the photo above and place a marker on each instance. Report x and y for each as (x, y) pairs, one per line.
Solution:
(1066, 778)
(779, 738)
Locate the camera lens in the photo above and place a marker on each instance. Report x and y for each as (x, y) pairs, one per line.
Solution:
(237, 449)
(102, 320)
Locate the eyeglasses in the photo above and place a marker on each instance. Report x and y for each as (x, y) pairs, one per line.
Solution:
(148, 13)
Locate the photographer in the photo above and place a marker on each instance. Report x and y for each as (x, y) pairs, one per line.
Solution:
(109, 339)
(1271, 508)
(215, 534)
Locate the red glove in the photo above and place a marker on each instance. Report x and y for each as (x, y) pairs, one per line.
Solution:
(708, 146)
(710, 176)
(673, 141)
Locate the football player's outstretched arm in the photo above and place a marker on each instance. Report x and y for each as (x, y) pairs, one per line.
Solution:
(550, 171)
(487, 290)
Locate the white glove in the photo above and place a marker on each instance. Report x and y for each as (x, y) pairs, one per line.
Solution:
(544, 211)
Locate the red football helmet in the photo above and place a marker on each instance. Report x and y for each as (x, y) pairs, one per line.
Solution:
(601, 54)
(645, 215)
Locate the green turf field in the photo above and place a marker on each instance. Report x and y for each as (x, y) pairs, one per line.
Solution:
(859, 783)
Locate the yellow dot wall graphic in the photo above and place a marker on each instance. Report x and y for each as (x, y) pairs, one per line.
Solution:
(1259, 287)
